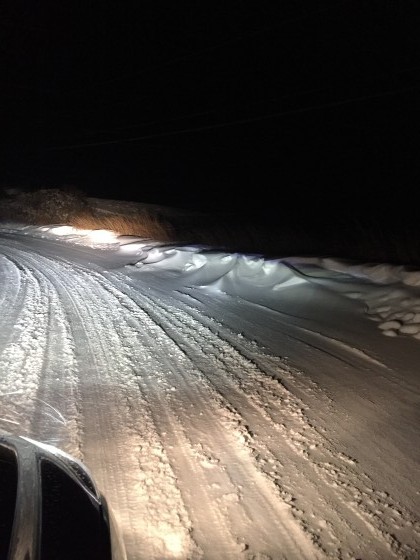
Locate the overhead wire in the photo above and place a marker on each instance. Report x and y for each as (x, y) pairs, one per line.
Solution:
(210, 112)
(236, 122)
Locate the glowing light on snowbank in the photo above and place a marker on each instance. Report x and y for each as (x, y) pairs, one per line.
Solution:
(103, 236)
(64, 230)
(95, 236)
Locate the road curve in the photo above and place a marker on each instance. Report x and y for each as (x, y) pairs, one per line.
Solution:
(202, 440)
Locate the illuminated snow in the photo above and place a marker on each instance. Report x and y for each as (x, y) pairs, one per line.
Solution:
(229, 406)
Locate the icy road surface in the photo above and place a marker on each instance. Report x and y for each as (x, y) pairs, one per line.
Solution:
(228, 408)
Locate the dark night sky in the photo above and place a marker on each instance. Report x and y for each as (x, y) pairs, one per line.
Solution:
(308, 105)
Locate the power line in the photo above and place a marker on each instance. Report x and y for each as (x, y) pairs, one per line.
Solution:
(238, 122)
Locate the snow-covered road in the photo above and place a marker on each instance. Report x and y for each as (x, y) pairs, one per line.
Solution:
(219, 421)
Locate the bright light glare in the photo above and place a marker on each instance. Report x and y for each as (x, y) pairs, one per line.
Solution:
(96, 236)
(64, 230)
(103, 236)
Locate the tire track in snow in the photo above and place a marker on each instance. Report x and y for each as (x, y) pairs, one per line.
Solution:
(150, 489)
(383, 517)
(213, 454)
(51, 413)
(133, 351)
(121, 431)
(9, 305)
(23, 349)
(207, 350)
(356, 504)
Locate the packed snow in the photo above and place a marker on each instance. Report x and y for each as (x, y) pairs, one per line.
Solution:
(229, 406)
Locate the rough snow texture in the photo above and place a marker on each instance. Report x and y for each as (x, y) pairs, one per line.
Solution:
(229, 407)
